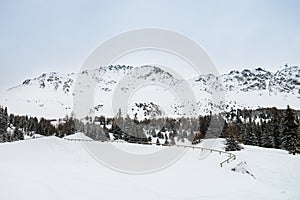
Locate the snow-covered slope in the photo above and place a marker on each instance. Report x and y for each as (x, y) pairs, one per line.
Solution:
(51, 95)
(53, 168)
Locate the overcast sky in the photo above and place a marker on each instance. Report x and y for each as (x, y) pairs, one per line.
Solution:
(39, 36)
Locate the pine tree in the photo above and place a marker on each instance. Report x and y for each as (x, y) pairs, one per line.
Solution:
(276, 128)
(68, 128)
(18, 135)
(290, 137)
(267, 135)
(249, 136)
(3, 124)
(116, 131)
(166, 141)
(258, 133)
(223, 130)
(157, 142)
(232, 135)
(160, 135)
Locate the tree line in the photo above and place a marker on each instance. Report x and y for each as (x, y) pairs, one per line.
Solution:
(268, 127)
(265, 127)
(17, 127)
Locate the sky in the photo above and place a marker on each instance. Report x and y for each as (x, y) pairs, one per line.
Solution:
(38, 36)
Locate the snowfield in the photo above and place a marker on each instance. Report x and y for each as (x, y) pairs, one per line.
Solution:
(54, 168)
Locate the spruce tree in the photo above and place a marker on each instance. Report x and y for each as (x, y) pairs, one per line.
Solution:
(249, 136)
(18, 135)
(276, 129)
(232, 135)
(3, 124)
(157, 142)
(290, 135)
(166, 141)
(258, 133)
(267, 135)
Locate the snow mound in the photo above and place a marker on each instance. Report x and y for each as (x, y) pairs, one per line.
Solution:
(243, 168)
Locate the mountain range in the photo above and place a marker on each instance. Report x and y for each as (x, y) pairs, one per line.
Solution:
(51, 95)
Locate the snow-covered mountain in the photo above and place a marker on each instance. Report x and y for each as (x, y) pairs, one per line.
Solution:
(51, 94)
(283, 81)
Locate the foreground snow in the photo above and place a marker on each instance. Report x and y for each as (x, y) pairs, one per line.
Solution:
(53, 168)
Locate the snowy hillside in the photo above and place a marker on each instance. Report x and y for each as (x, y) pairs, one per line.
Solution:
(53, 168)
(247, 88)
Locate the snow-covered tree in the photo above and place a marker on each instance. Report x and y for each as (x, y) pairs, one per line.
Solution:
(157, 142)
(18, 135)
